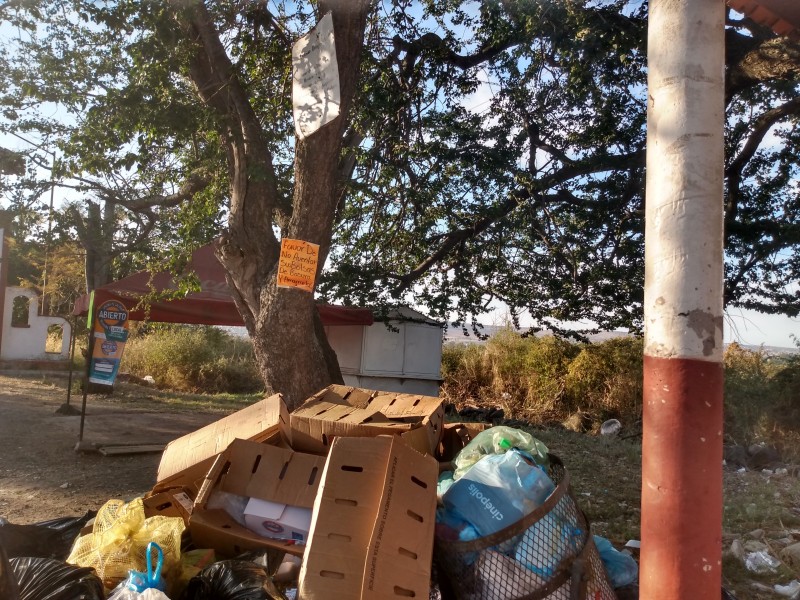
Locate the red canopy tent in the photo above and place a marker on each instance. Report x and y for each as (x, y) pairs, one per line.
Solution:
(212, 305)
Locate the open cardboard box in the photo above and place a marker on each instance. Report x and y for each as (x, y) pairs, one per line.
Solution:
(373, 523)
(174, 502)
(186, 460)
(253, 470)
(455, 436)
(343, 411)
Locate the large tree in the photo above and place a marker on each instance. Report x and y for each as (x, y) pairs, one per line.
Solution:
(535, 196)
(485, 151)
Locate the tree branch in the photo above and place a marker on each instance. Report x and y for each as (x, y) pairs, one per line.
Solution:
(347, 165)
(733, 173)
(433, 43)
(261, 16)
(752, 60)
(760, 128)
(194, 183)
(514, 199)
(250, 161)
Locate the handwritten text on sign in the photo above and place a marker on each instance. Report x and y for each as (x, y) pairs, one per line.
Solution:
(298, 264)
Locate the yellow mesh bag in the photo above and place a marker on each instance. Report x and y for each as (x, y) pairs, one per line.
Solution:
(119, 539)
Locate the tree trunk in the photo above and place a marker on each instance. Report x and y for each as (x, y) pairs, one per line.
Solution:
(291, 348)
(96, 235)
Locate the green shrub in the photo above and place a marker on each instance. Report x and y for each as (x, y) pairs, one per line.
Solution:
(464, 373)
(192, 358)
(548, 379)
(748, 390)
(605, 379)
(504, 357)
(762, 399)
(546, 365)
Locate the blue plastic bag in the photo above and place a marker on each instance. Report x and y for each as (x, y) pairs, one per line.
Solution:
(548, 541)
(620, 567)
(498, 490)
(138, 583)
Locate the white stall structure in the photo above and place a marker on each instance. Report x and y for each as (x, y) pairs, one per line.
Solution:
(404, 357)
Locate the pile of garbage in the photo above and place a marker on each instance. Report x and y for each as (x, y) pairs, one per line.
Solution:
(357, 494)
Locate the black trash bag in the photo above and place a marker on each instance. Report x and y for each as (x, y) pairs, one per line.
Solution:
(50, 579)
(8, 582)
(232, 580)
(269, 558)
(48, 539)
(283, 572)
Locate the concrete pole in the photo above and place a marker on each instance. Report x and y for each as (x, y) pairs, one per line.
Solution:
(683, 375)
(4, 259)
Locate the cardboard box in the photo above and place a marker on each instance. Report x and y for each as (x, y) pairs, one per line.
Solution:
(187, 459)
(254, 470)
(343, 411)
(373, 524)
(175, 502)
(455, 436)
(277, 520)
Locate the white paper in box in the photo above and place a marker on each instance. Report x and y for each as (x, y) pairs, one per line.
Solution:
(277, 520)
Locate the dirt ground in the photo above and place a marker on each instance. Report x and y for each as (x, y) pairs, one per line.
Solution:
(43, 477)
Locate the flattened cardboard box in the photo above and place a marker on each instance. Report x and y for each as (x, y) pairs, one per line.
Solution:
(373, 523)
(260, 471)
(343, 411)
(187, 459)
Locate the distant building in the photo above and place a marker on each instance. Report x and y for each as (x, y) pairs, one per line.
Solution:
(24, 332)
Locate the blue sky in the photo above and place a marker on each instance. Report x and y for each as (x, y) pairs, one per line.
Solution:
(745, 327)
(752, 328)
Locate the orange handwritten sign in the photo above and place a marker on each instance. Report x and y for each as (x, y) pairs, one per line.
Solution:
(298, 264)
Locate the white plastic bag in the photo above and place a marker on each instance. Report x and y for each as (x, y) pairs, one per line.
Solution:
(144, 586)
(123, 593)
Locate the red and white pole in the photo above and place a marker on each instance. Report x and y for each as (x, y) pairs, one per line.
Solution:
(683, 375)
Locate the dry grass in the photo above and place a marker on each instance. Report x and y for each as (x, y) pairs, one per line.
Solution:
(546, 381)
(192, 359)
(606, 478)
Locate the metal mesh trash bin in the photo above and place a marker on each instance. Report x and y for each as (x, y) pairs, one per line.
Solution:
(547, 555)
